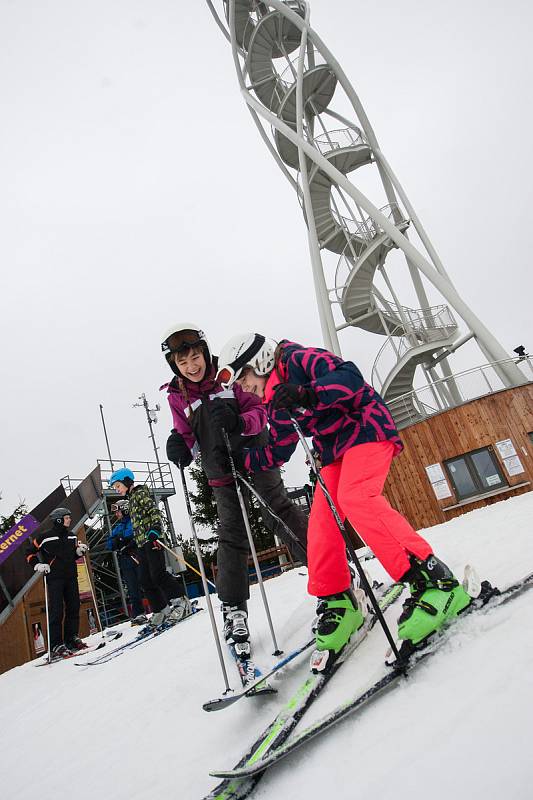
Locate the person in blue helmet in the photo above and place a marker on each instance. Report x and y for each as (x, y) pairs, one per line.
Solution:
(122, 541)
(147, 531)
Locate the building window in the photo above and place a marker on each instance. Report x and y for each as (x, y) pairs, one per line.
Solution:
(475, 473)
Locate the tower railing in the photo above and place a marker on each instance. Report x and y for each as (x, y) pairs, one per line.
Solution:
(425, 325)
(339, 139)
(471, 384)
(366, 228)
(158, 477)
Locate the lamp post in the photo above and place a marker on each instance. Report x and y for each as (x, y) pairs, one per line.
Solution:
(151, 417)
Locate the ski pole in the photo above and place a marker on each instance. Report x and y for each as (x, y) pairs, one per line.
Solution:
(273, 514)
(182, 560)
(93, 596)
(277, 651)
(364, 580)
(204, 580)
(47, 618)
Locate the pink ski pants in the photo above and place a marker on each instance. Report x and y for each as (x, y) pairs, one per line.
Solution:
(355, 483)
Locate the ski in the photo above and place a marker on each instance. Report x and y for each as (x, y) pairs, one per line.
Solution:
(143, 636)
(237, 788)
(91, 649)
(252, 679)
(224, 702)
(387, 681)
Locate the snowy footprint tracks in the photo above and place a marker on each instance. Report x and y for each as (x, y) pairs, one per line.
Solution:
(250, 771)
(237, 788)
(144, 635)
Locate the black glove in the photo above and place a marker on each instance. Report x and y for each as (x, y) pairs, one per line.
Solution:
(225, 416)
(178, 451)
(293, 395)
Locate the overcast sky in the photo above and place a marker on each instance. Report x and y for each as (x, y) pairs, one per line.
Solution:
(136, 192)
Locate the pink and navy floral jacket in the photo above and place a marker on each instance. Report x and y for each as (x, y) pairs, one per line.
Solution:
(349, 411)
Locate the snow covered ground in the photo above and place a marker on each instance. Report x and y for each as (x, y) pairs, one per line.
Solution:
(134, 729)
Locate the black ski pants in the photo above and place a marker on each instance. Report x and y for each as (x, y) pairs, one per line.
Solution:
(233, 547)
(63, 600)
(272, 489)
(130, 570)
(158, 585)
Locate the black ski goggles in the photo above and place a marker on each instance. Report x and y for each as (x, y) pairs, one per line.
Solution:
(181, 349)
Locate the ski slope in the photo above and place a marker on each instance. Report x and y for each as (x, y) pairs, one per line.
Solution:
(134, 728)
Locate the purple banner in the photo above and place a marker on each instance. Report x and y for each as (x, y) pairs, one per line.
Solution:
(15, 536)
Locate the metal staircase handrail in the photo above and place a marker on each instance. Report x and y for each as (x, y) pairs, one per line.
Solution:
(333, 140)
(367, 229)
(421, 321)
(413, 399)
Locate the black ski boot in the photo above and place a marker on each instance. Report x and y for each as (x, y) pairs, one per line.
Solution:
(236, 631)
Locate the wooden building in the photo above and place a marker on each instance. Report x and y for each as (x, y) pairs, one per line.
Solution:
(463, 458)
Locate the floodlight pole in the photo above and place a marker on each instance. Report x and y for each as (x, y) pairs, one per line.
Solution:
(106, 439)
(151, 418)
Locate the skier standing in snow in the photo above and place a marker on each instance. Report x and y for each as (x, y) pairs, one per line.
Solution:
(122, 541)
(54, 554)
(200, 410)
(354, 434)
(147, 530)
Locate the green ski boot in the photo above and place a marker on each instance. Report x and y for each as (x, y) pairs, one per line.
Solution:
(436, 597)
(339, 616)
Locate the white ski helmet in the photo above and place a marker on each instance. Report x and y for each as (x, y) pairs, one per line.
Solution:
(180, 338)
(245, 350)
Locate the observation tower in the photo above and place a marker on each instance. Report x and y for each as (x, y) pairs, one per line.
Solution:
(373, 265)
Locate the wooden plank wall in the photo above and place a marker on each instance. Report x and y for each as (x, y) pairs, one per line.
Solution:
(481, 423)
(16, 634)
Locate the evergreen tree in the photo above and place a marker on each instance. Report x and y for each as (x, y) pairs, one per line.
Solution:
(7, 522)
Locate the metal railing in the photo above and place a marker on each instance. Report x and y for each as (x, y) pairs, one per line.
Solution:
(424, 325)
(288, 76)
(158, 477)
(366, 231)
(339, 139)
(471, 384)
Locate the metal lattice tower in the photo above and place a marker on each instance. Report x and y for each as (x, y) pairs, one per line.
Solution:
(291, 81)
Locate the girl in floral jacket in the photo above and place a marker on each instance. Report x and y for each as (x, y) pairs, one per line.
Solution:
(355, 438)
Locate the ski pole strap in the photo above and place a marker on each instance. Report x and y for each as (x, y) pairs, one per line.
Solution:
(273, 514)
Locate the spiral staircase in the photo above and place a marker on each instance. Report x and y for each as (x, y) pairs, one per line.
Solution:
(268, 44)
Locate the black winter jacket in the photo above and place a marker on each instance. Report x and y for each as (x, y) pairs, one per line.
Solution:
(56, 547)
